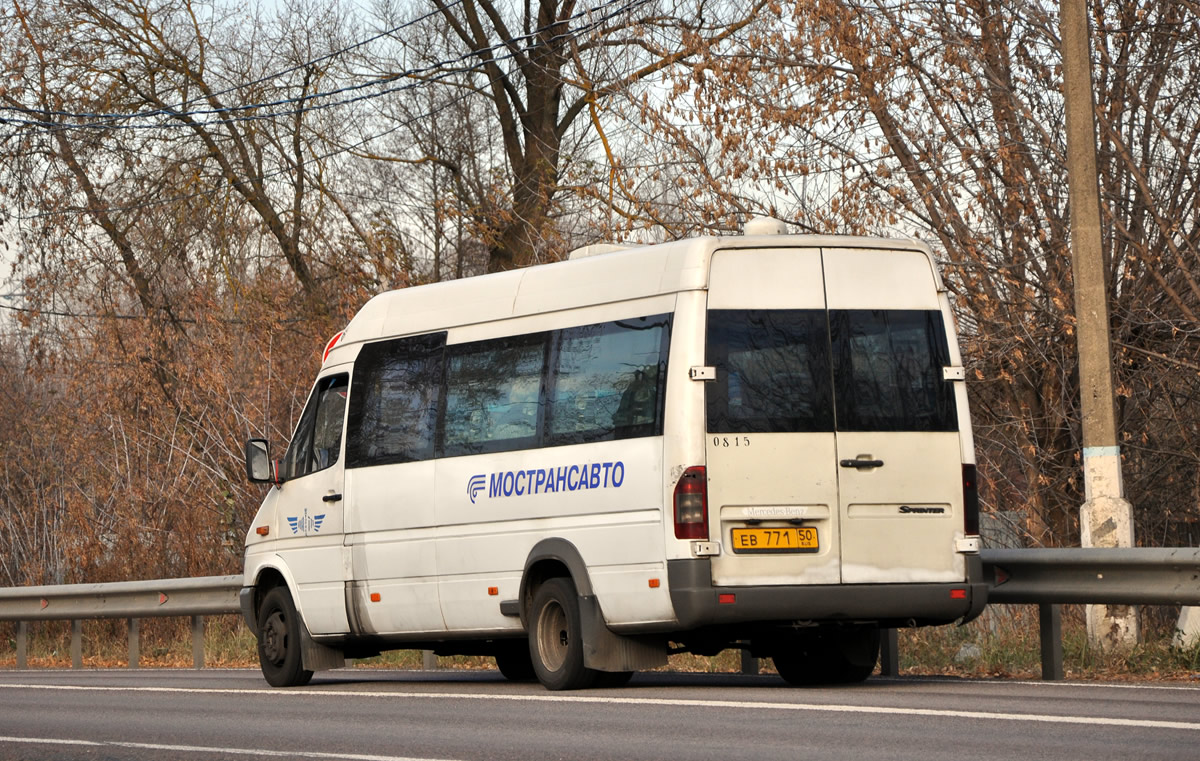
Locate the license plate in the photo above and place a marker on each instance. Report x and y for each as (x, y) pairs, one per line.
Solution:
(799, 539)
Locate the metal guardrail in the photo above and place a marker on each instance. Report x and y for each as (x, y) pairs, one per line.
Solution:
(132, 600)
(203, 596)
(1051, 577)
(1047, 578)
(1128, 576)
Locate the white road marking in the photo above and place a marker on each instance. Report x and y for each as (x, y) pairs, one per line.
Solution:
(260, 752)
(1039, 718)
(1042, 683)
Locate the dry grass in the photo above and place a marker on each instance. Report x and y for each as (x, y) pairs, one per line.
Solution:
(1002, 643)
(162, 643)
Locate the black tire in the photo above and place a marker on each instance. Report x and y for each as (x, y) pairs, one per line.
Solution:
(612, 678)
(279, 641)
(556, 637)
(836, 656)
(512, 658)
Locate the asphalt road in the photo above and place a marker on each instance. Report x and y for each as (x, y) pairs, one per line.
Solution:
(390, 715)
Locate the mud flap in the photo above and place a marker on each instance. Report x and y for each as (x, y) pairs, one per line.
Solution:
(605, 650)
(317, 657)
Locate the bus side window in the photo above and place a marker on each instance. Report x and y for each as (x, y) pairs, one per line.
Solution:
(327, 434)
(607, 381)
(317, 442)
(394, 401)
(493, 395)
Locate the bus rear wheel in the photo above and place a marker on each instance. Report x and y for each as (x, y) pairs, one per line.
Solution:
(514, 662)
(556, 637)
(612, 678)
(834, 656)
(279, 641)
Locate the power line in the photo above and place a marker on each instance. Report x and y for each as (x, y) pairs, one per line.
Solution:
(258, 178)
(183, 110)
(116, 316)
(595, 23)
(326, 57)
(53, 313)
(438, 71)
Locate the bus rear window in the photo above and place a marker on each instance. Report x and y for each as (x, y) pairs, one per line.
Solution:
(888, 371)
(772, 371)
(808, 370)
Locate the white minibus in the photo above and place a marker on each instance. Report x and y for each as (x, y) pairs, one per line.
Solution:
(757, 442)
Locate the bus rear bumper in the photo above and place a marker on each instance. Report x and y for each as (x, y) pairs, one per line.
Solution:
(699, 604)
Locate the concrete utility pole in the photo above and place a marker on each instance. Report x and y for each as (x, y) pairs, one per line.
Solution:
(1106, 518)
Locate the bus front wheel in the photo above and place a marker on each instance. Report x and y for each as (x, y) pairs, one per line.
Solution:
(279, 641)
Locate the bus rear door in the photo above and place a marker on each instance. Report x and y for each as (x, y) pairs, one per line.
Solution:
(898, 450)
(771, 449)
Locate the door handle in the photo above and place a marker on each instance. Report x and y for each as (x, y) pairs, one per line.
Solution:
(860, 464)
(332, 498)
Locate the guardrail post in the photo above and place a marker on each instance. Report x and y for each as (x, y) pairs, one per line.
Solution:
(1050, 623)
(889, 653)
(134, 645)
(76, 644)
(428, 660)
(198, 642)
(22, 644)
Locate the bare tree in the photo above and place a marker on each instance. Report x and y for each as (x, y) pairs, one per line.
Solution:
(547, 71)
(945, 121)
(179, 261)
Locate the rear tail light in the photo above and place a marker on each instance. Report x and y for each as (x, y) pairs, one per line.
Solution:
(691, 504)
(970, 500)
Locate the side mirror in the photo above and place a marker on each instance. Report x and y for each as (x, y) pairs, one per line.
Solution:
(259, 467)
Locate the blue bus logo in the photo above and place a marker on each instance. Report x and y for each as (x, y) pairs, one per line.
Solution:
(475, 485)
(566, 478)
(308, 524)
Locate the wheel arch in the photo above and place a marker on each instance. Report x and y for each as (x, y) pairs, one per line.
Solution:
(267, 576)
(274, 574)
(552, 558)
(603, 650)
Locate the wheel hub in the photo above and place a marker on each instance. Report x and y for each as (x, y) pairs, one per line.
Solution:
(552, 633)
(274, 638)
